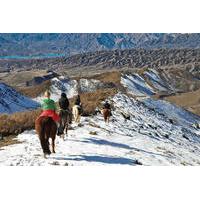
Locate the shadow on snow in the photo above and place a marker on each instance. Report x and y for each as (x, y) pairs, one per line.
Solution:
(118, 145)
(100, 159)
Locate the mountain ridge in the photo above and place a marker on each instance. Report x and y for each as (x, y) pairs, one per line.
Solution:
(28, 44)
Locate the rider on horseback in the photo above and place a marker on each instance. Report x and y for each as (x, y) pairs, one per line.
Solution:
(78, 103)
(49, 107)
(64, 102)
(106, 105)
(106, 111)
(64, 113)
(64, 106)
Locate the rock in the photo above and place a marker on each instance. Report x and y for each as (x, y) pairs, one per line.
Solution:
(93, 133)
(55, 163)
(137, 162)
(66, 164)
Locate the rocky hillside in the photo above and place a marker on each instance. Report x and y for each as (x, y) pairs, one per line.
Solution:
(116, 59)
(24, 44)
(135, 58)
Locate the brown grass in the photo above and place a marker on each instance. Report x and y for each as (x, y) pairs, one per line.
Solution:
(20, 77)
(18, 122)
(107, 77)
(9, 141)
(114, 77)
(91, 100)
(188, 100)
(35, 91)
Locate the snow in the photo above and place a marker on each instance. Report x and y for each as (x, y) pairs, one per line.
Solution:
(59, 85)
(12, 101)
(90, 85)
(71, 87)
(147, 138)
(136, 85)
(178, 114)
(155, 80)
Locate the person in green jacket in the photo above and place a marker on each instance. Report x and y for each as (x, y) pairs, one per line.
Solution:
(49, 107)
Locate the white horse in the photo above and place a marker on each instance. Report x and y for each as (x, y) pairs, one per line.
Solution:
(76, 113)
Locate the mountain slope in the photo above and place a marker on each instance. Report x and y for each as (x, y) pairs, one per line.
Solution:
(146, 138)
(12, 101)
(26, 44)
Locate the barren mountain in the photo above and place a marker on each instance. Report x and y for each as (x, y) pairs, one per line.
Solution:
(53, 44)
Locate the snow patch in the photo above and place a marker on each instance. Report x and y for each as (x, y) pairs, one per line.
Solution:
(136, 85)
(12, 101)
(59, 85)
(155, 80)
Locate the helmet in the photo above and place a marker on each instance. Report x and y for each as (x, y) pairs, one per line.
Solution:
(63, 95)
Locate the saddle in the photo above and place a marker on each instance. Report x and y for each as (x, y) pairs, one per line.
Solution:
(65, 113)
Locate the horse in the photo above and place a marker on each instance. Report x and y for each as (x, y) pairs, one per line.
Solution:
(65, 120)
(106, 114)
(46, 128)
(76, 110)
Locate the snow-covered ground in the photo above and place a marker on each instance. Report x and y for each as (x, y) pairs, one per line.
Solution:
(59, 85)
(136, 85)
(71, 87)
(155, 80)
(12, 101)
(144, 138)
(176, 113)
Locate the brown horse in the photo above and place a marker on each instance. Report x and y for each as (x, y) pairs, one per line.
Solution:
(106, 114)
(46, 128)
(65, 120)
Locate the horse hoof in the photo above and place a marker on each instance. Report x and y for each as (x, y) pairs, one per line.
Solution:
(45, 156)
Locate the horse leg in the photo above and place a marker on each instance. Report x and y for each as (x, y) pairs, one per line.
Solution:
(65, 129)
(105, 118)
(65, 126)
(79, 118)
(47, 147)
(76, 117)
(63, 136)
(44, 144)
(53, 145)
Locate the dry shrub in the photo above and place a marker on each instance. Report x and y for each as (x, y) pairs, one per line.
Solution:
(35, 91)
(9, 141)
(18, 122)
(114, 77)
(91, 100)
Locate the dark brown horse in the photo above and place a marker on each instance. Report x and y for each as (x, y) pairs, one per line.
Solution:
(46, 128)
(65, 120)
(106, 114)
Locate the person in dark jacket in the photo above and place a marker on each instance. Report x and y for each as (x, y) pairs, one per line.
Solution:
(106, 105)
(78, 101)
(64, 102)
(65, 113)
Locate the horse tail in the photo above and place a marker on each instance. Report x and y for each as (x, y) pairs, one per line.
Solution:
(44, 133)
